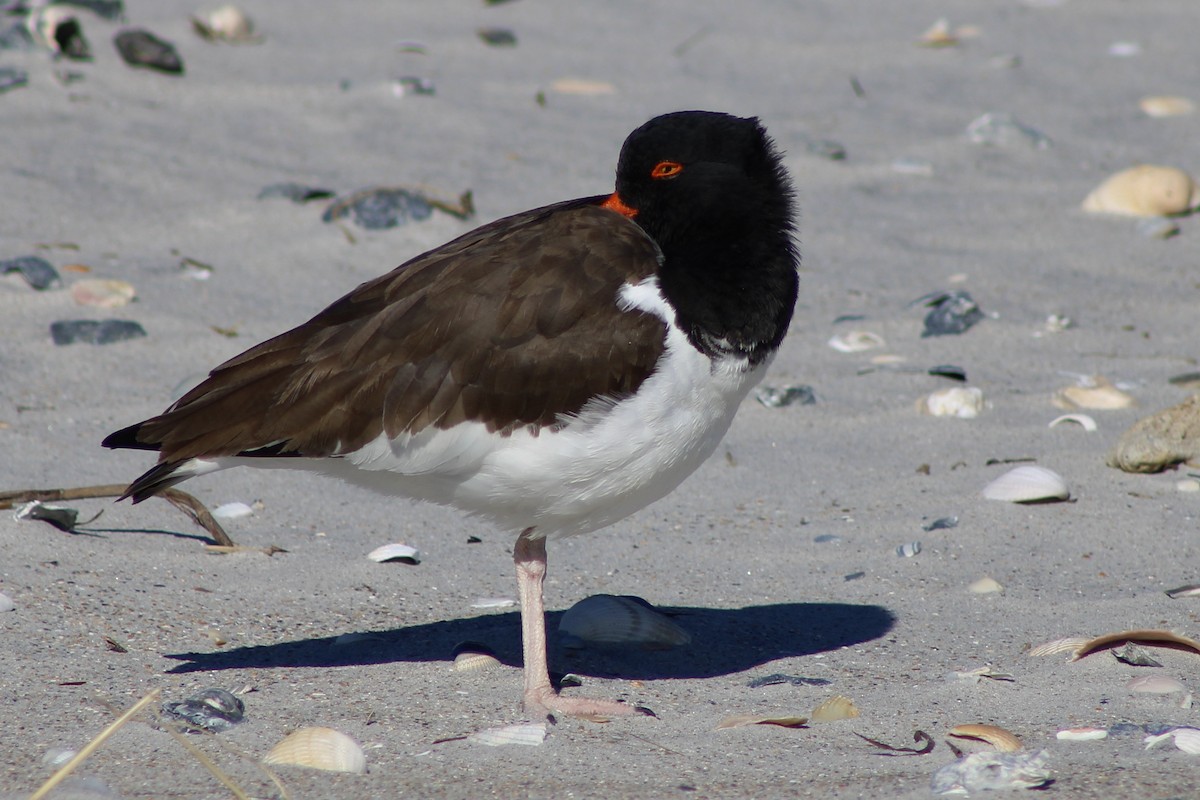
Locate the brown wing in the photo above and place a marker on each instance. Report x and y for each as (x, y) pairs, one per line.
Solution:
(513, 324)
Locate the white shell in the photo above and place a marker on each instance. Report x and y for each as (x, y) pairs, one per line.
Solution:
(986, 585)
(529, 734)
(233, 510)
(1082, 734)
(1186, 739)
(1166, 106)
(493, 602)
(1155, 684)
(395, 552)
(1028, 483)
(856, 341)
(319, 748)
(964, 402)
(6, 603)
(102, 292)
(621, 620)
(227, 24)
(1146, 190)
(1083, 420)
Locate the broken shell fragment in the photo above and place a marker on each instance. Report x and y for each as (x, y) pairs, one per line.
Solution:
(1147, 190)
(1148, 637)
(620, 620)
(318, 748)
(1081, 734)
(1082, 420)
(1094, 392)
(226, 24)
(997, 737)
(963, 402)
(744, 720)
(214, 710)
(1166, 106)
(1155, 684)
(102, 293)
(1134, 656)
(395, 552)
(1028, 483)
(1160, 440)
(1070, 644)
(835, 708)
(1186, 739)
(855, 341)
(531, 735)
(980, 772)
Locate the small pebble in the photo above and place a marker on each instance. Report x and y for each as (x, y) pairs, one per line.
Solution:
(941, 524)
(781, 396)
(413, 85)
(140, 48)
(827, 537)
(949, 371)
(497, 37)
(36, 271)
(953, 312)
(6, 603)
(377, 209)
(853, 576)
(89, 331)
(296, 192)
(1001, 129)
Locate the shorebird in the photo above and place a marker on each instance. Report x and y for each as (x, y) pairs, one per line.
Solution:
(551, 372)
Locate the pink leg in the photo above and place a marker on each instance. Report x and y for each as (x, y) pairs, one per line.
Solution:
(529, 554)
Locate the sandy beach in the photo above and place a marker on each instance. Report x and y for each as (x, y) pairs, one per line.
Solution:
(780, 556)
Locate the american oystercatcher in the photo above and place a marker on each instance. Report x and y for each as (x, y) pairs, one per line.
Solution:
(552, 372)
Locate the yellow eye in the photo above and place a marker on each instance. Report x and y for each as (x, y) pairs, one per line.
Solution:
(666, 169)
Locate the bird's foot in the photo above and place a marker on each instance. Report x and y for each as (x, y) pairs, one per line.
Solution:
(545, 701)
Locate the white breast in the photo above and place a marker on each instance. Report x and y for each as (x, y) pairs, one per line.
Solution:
(609, 460)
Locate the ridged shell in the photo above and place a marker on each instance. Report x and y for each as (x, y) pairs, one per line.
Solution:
(964, 402)
(318, 748)
(835, 708)
(621, 620)
(1146, 190)
(1070, 644)
(1028, 483)
(997, 737)
(1186, 739)
(473, 656)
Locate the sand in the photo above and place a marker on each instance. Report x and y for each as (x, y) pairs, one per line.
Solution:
(130, 172)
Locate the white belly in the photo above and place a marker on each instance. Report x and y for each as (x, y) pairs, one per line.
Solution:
(608, 461)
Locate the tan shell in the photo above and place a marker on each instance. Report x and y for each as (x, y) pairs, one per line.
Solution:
(1166, 106)
(618, 620)
(1070, 644)
(997, 737)
(835, 708)
(963, 402)
(473, 657)
(1155, 684)
(1146, 190)
(318, 748)
(1150, 637)
(1156, 442)
(986, 585)
(528, 734)
(102, 292)
(743, 720)
(1098, 393)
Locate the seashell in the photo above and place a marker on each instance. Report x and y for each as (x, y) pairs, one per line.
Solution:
(979, 773)
(214, 710)
(856, 341)
(782, 396)
(1081, 734)
(977, 674)
(1166, 106)
(234, 510)
(997, 737)
(1186, 739)
(908, 549)
(744, 720)
(835, 708)
(963, 402)
(1148, 637)
(1092, 392)
(1028, 483)
(102, 293)
(473, 657)
(1155, 684)
(1082, 420)
(986, 585)
(1134, 656)
(938, 35)
(395, 552)
(952, 313)
(1160, 440)
(1146, 190)
(582, 86)
(493, 602)
(941, 524)
(227, 24)
(1070, 644)
(621, 620)
(530, 735)
(1002, 129)
(6, 603)
(318, 748)
(1187, 485)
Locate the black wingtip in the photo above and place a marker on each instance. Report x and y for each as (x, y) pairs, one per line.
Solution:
(127, 439)
(159, 477)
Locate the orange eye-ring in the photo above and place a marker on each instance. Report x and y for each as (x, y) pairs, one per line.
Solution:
(666, 169)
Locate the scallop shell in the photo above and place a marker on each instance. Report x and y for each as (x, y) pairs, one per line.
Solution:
(856, 341)
(1070, 644)
(395, 552)
(608, 619)
(1081, 734)
(473, 657)
(1082, 420)
(318, 748)
(1028, 484)
(1146, 190)
(997, 737)
(1095, 392)
(1186, 739)
(1155, 684)
(1166, 106)
(964, 402)
(1150, 637)
(835, 708)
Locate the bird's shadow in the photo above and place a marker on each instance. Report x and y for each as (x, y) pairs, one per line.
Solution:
(724, 641)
